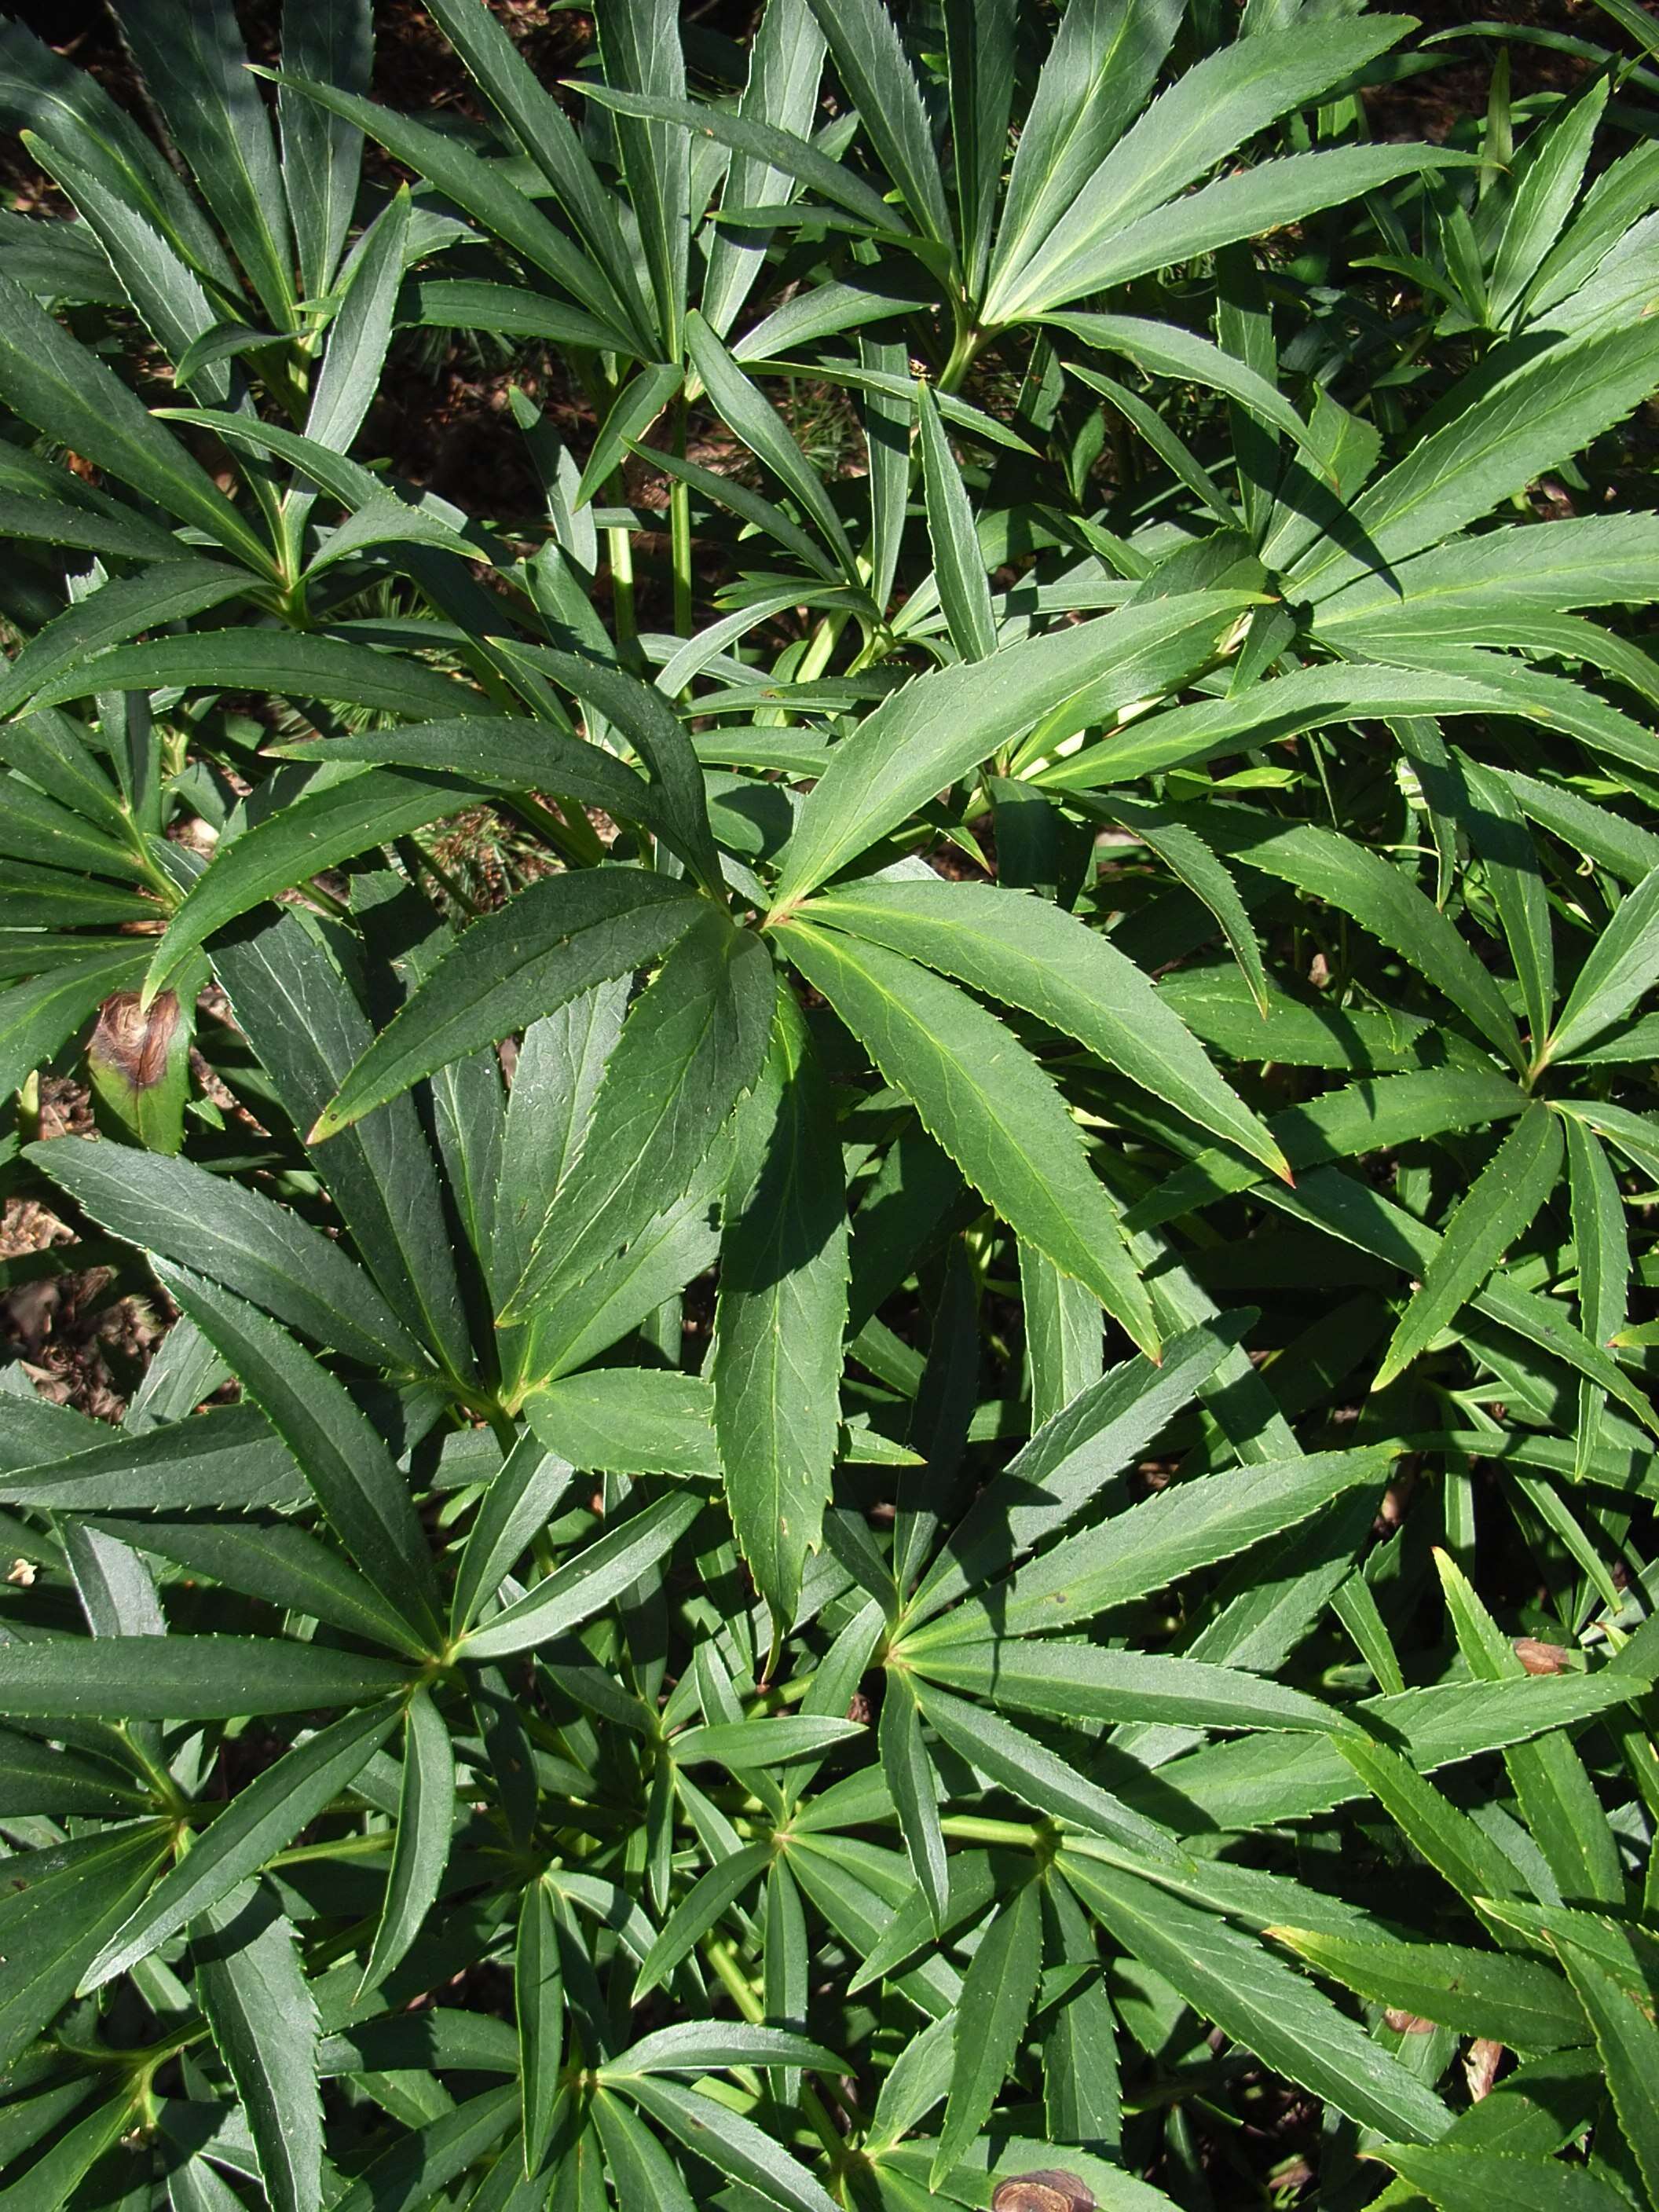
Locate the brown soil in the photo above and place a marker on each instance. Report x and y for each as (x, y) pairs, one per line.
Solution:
(78, 1345)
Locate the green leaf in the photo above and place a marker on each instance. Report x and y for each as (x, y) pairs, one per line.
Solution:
(910, 1778)
(293, 1004)
(781, 1309)
(786, 64)
(1557, 1798)
(547, 135)
(467, 304)
(585, 1584)
(1473, 1992)
(1097, 73)
(996, 2001)
(630, 414)
(1064, 1351)
(1544, 197)
(727, 492)
(698, 2046)
(1019, 1763)
(420, 1852)
(731, 2144)
(755, 1743)
(322, 156)
(1189, 1525)
(356, 1482)
(942, 724)
(1166, 349)
(546, 948)
(693, 1044)
(1190, 859)
(263, 1251)
(1247, 204)
(481, 191)
(1454, 2179)
(260, 2009)
(47, 899)
(230, 1455)
(1602, 1250)
(1069, 1460)
(761, 142)
(1229, 95)
(1622, 963)
(1023, 951)
(1085, 1682)
(56, 2177)
(1499, 833)
(511, 755)
(628, 1421)
(39, 1777)
(36, 1018)
(162, 593)
(983, 1099)
(517, 1506)
(539, 2002)
(64, 391)
(361, 331)
(639, 47)
(1228, 1977)
(1505, 439)
(638, 2169)
(1453, 1843)
(874, 67)
(1628, 2041)
(747, 411)
(260, 1821)
(635, 1281)
(60, 1906)
(312, 666)
(287, 1567)
(297, 842)
(1379, 897)
(185, 1677)
(640, 713)
(44, 91)
(1582, 560)
(1264, 1779)
(1453, 681)
(420, 2166)
(34, 823)
(196, 68)
(964, 588)
(1498, 1208)
(710, 1895)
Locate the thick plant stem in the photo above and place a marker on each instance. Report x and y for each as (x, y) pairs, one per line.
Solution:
(621, 548)
(679, 529)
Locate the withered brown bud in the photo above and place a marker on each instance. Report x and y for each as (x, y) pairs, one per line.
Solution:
(133, 1043)
(1481, 2064)
(1048, 2191)
(1407, 2023)
(1539, 1658)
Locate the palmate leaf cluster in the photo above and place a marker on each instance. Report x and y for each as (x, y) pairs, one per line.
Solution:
(929, 1477)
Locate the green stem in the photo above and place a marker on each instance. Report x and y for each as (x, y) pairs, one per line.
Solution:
(971, 341)
(1019, 1835)
(623, 613)
(679, 530)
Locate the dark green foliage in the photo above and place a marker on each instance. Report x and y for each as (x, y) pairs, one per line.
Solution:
(938, 1475)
